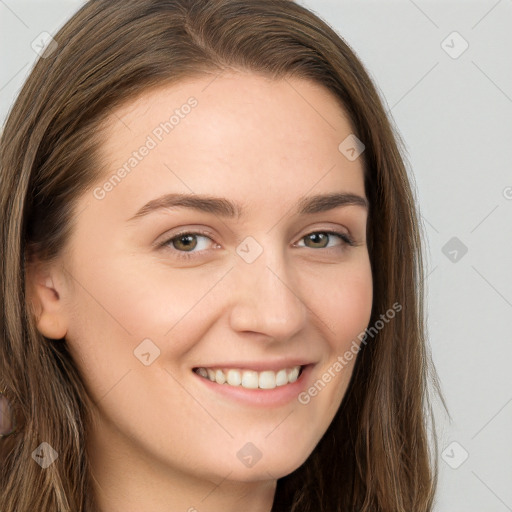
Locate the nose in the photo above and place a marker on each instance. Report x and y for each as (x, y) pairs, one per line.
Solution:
(266, 298)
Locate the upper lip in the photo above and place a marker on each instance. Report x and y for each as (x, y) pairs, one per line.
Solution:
(258, 366)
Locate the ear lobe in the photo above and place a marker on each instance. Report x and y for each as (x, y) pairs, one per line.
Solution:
(47, 305)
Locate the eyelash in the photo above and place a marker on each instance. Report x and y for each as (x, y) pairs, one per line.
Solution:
(347, 240)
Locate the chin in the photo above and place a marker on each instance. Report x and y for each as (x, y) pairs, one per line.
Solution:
(274, 467)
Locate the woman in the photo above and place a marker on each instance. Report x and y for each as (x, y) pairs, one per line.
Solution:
(280, 364)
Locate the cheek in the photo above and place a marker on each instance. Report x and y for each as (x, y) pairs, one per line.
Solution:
(122, 301)
(125, 304)
(344, 303)
(345, 309)
(350, 312)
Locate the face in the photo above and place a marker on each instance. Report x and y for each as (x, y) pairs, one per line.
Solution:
(157, 292)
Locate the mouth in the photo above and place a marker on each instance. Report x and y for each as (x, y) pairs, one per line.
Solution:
(251, 379)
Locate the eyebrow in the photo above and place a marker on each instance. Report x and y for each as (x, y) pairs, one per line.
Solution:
(225, 208)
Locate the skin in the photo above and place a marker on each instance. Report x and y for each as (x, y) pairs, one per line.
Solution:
(160, 440)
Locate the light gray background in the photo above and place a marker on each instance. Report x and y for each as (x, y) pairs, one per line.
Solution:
(455, 116)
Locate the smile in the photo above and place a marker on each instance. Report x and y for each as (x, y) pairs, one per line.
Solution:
(251, 379)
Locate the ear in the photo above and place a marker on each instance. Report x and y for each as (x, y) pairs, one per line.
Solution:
(44, 287)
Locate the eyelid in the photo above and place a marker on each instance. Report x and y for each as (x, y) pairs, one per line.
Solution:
(345, 237)
(166, 238)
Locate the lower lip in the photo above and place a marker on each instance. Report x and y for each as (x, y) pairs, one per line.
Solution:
(278, 396)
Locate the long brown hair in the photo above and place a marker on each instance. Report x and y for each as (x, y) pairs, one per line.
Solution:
(376, 454)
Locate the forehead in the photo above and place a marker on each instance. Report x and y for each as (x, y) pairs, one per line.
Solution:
(235, 134)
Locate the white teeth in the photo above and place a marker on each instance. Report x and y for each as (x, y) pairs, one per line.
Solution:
(293, 374)
(281, 378)
(220, 378)
(203, 372)
(234, 378)
(250, 379)
(267, 380)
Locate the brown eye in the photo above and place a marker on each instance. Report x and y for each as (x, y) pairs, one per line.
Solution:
(185, 242)
(188, 244)
(321, 239)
